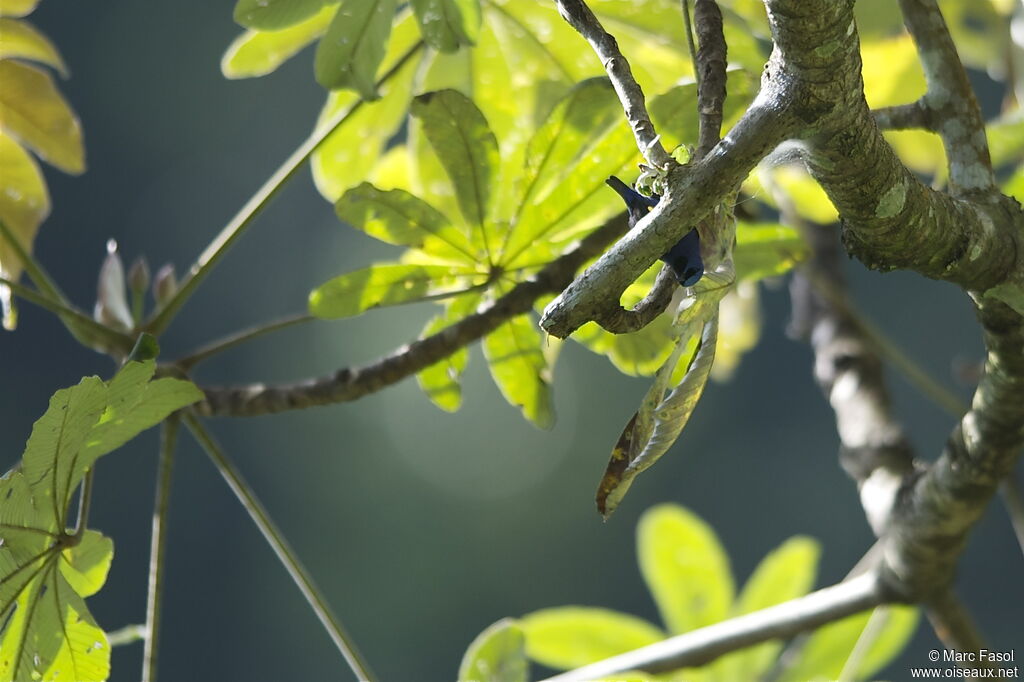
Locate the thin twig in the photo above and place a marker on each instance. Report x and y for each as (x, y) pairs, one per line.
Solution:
(872, 629)
(579, 16)
(688, 29)
(220, 345)
(342, 640)
(955, 628)
(129, 634)
(80, 325)
(157, 546)
(711, 62)
(915, 115)
(33, 268)
(708, 643)
(255, 205)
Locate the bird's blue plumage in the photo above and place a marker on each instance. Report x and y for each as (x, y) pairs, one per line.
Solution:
(684, 258)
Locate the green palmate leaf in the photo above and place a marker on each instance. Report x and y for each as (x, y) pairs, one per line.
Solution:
(674, 113)
(397, 217)
(496, 655)
(892, 72)
(448, 24)
(17, 8)
(574, 636)
(388, 284)
(354, 45)
(685, 567)
(642, 444)
(828, 649)
(257, 53)
(24, 204)
(349, 153)
(20, 39)
(33, 111)
(521, 368)
(273, 15)
(766, 249)
(442, 380)
(786, 573)
(467, 149)
(807, 196)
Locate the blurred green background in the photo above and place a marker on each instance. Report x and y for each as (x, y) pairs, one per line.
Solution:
(421, 527)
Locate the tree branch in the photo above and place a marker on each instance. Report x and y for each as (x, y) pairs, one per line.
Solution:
(776, 622)
(630, 94)
(351, 383)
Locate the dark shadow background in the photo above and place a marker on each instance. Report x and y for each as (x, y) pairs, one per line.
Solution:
(421, 528)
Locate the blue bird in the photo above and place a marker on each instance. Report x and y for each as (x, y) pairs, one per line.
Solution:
(684, 258)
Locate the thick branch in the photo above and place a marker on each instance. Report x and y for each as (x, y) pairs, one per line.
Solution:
(777, 622)
(583, 20)
(693, 192)
(351, 383)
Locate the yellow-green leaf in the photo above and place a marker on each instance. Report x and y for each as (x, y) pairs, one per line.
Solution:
(807, 196)
(85, 566)
(257, 53)
(397, 217)
(17, 8)
(467, 149)
(739, 328)
(273, 15)
(441, 382)
(766, 249)
(448, 24)
(496, 655)
(387, 284)
(685, 567)
(33, 111)
(515, 355)
(574, 636)
(354, 45)
(19, 39)
(24, 204)
(892, 72)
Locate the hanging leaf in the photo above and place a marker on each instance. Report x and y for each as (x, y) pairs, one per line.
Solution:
(520, 368)
(466, 148)
(634, 451)
(448, 24)
(496, 655)
(17, 8)
(685, 568)
(273, 15)
(766, 249)
(574, 636)
(257, 53)
(354, 45)
(387, 284)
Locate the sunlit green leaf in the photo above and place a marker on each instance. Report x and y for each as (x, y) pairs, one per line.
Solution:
(354, 45)
(739, 328)
(574, 636)
(515, 355)
(685, 567)
(979, 32)
(920, 150)
(496, 655)
(20, 39)
(257, 53)
(273, 15)
(33, 111)
(441, 382)
(24, 204)
(828, 649)
(85, 566)
(786, 573)
(807, 196)
(397, 217)
(1014, 185)
(448, 24)
(466, 148)
(892, 72)
(766, 249)
(387, 284)
(17, 8)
